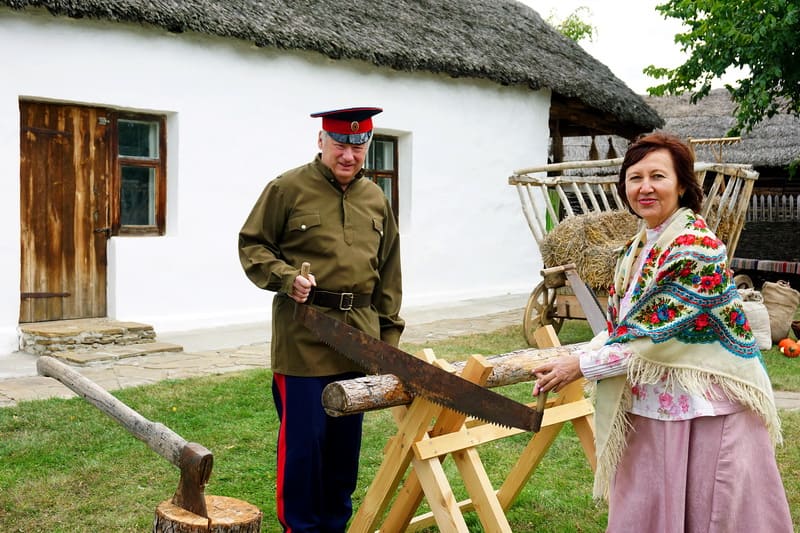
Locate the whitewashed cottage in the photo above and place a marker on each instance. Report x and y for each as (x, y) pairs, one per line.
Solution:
(135, 136)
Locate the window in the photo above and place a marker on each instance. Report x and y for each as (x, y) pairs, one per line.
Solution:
(381, 167)
(140, 176)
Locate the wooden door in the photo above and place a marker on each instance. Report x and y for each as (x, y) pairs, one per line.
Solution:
(65, 171)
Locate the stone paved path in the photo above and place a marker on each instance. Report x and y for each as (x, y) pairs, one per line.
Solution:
(152, 368)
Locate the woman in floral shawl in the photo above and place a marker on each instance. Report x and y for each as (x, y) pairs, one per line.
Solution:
(685, 419)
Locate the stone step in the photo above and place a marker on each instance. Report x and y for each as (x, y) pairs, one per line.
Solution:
(47, 338)
(115, 352)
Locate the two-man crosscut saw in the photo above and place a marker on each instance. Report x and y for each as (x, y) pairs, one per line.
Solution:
(417, 376)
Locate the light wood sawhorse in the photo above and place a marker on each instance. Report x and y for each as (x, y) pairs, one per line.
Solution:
(424, 445)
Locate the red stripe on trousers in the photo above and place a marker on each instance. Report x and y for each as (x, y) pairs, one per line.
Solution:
(280, 381)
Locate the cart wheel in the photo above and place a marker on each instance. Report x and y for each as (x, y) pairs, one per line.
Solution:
(539, 312)
(743, 281)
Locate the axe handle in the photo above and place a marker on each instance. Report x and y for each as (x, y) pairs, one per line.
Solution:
(158, 437)
(305, 269)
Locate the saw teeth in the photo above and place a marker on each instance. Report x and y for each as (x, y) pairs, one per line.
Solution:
(464, 414)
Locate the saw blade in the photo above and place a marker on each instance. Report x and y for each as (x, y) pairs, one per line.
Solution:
(418, 376)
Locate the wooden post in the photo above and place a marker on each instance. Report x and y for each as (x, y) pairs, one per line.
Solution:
(546, 337)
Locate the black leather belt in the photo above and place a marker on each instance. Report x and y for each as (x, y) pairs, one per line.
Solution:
(344, 301)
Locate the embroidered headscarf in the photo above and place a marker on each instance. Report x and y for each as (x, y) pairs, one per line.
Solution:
(686, 325)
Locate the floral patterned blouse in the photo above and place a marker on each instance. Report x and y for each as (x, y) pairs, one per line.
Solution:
(655, 401)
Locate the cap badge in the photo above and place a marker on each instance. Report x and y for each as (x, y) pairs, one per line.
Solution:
(354, 126)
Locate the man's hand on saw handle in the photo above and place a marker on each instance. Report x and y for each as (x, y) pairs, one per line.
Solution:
(301, 287)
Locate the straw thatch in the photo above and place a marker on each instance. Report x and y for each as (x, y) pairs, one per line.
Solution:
(771, 145)
(503, 41)
(592, 241)
(775, 142)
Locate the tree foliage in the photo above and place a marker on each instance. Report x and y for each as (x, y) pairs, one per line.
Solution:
(761, 37)
(574, 27)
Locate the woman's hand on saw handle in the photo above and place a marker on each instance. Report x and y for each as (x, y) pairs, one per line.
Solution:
(555, 374)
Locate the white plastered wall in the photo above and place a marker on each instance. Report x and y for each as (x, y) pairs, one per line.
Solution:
(237, 117)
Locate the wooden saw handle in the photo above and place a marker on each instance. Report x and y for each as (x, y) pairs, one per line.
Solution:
(541, 400)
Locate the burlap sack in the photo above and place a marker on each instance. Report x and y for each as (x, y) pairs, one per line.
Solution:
(781, 301)
(758, 317)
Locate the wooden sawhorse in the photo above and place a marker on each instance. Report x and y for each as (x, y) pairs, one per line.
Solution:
(424, 446)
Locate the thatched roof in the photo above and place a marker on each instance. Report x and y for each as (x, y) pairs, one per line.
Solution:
(775, 142)
(499, 40)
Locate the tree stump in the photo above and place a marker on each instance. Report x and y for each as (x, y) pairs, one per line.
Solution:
(225, 515)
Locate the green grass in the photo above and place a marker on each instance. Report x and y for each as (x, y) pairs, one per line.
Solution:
(67, 467)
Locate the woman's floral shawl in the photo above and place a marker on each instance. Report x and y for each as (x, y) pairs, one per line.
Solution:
(685, 324)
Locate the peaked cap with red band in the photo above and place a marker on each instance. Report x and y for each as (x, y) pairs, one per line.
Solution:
(349, 126)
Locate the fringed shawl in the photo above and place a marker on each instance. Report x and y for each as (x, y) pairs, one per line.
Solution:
(686, 324)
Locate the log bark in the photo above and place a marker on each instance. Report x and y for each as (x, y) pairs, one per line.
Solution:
(225, 515)
(371, 393)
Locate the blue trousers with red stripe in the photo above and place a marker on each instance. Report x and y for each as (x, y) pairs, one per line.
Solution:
(317, 457)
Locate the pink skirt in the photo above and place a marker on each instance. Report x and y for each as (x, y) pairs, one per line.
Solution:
(710, 474)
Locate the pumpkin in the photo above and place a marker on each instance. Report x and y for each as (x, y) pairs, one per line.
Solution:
(793, 350)
(784, 343)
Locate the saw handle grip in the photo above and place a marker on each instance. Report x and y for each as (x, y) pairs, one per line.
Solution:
(541, 400)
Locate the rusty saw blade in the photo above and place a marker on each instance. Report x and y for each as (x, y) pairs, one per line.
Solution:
(418, 376)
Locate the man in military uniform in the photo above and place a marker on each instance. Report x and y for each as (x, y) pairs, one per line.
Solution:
(326, 214)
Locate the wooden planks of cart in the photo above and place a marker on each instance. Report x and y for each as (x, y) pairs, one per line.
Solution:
(552, 196)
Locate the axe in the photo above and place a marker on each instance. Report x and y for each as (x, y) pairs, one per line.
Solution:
(193, 460)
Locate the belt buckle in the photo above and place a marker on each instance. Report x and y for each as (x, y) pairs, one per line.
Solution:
(346, 301)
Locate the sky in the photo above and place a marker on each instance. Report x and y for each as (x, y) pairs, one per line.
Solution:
(630, 35)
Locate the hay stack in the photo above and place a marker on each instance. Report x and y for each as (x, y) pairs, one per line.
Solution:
(591, 241)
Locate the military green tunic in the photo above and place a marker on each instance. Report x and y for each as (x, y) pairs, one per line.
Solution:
(351, 240)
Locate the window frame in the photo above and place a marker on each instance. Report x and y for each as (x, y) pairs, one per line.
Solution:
(391, 175)
(158, 164)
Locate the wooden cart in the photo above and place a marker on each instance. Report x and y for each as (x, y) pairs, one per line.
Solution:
(549, 194)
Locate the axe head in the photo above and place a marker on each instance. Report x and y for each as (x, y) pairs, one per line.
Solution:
(196, 462)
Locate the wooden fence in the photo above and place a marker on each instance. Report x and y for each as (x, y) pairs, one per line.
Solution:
(774, 208)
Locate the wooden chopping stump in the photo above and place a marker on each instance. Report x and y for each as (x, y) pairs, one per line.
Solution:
(225, 515)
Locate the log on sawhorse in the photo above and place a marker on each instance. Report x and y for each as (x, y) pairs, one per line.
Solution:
(427, 433)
